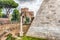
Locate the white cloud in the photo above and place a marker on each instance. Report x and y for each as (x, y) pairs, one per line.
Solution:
(25, 0)
(34, 6)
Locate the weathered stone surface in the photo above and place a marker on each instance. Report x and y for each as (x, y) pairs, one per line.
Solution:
(47, 21)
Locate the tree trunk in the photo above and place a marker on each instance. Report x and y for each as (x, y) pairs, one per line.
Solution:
(7, 12)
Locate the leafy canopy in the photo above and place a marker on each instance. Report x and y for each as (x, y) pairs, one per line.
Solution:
(0, 12)
(16, 15)
(8, 4)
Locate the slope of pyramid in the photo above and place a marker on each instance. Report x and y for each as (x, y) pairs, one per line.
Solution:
(47, 21)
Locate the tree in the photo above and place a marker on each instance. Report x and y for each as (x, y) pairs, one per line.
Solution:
(27, 20)
(0, 12)
(8, 4)
(15, 15)
(4, 15)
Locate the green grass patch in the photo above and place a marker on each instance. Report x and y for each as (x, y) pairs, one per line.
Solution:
(32, 38)
(9, 37)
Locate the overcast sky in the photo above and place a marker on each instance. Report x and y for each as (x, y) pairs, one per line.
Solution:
(33, 5)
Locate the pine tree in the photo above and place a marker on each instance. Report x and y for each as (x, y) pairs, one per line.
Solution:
(15, 15)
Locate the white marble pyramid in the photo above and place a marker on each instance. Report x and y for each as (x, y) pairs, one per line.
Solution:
(47, 21)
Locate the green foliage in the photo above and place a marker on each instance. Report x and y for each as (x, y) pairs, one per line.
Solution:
(32, 38)
(27, 20)
(9, 37)
(0, 12)
(15, 15)
(4, 15)
(8, 4)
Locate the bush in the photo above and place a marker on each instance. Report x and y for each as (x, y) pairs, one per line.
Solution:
(27, 20)
(4, 16)
(15, 15)
(9, 37)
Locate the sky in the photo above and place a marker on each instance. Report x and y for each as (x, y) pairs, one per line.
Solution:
(33, 5)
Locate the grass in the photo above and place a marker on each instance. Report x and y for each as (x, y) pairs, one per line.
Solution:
(32, 38)
(9, 37)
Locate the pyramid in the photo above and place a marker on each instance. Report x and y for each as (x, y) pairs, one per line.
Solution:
(46, 24)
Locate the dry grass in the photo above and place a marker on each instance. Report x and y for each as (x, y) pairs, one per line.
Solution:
(14, 29)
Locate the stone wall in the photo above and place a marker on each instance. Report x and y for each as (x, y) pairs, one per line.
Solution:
(47, 21)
